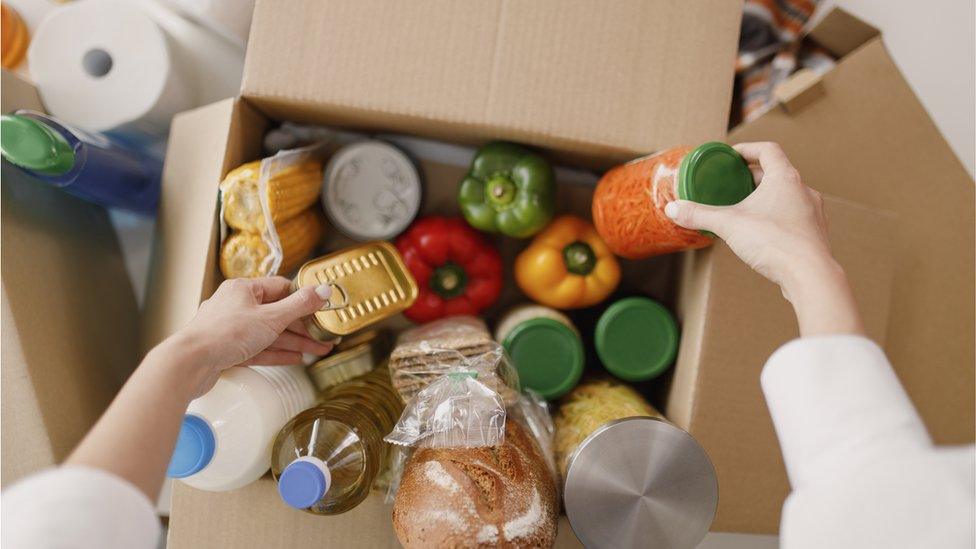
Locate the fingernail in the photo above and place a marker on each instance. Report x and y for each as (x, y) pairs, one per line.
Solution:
(671, 210)
(309, 358)
(324, 291)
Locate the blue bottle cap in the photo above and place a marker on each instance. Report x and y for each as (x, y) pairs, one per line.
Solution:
(304, 482)
(194, 447)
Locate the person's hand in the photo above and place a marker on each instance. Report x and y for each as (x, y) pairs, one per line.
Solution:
(250, 322)
(780, 230)
(777, 230)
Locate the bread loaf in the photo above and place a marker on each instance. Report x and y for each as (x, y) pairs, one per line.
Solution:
(502, 496)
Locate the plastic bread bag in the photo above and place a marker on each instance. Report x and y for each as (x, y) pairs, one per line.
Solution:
(532, 411)
(458, 343)
(270, 218)
(454, 411)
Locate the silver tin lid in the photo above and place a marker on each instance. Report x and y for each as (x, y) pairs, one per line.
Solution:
(371, 190)
(640, 482)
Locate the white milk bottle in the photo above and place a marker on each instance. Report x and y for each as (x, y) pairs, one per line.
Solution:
(226, 436)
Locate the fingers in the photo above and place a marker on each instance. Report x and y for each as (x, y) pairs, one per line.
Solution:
(288, 341)
(757, 173)
(300, 303)
(298, 327)
(769, 155)
(272, 288)
(692, 215)
(274, 357)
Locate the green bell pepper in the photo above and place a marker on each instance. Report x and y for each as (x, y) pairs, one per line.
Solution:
(509, 190)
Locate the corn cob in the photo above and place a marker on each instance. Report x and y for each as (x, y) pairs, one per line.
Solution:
(244, 253)
(298, 237)
(289, 191)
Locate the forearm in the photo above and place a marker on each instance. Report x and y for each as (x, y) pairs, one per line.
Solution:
(135, 437)
(822, 299)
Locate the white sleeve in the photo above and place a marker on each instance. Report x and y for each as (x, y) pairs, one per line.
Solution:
(77, 507)
(863, 469)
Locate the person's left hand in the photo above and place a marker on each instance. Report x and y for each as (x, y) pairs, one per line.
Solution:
(251, 322)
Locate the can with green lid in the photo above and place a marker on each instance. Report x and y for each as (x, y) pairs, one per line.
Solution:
(636, 338)
(545, 347)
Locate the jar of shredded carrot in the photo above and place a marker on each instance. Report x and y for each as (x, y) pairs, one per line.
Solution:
(629, 201)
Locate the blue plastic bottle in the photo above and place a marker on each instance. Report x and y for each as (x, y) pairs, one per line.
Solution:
(86, 165)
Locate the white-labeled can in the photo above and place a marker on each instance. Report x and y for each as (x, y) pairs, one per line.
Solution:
(371, 190)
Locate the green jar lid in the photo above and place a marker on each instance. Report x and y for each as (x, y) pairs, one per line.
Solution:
(34, 145)
(636, 339)
(714, 173)
(547, 354)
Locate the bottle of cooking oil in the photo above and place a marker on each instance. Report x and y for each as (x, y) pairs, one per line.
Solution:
(326, 458)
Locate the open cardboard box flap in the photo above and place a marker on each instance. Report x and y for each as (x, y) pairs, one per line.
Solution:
(868, 139)
(69, 315)
(599, 82)
(861, 135)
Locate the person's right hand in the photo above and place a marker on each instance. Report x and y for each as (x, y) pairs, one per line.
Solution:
(777, 230)
(780, 230)
(245, 322)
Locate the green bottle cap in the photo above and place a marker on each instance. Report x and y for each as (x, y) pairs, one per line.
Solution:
(547, 354)
(715, 174)
(636, 338)
(34, 145)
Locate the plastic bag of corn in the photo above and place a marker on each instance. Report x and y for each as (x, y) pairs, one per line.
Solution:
(270, 217)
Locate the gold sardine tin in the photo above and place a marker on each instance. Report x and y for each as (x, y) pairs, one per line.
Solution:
(369, 283)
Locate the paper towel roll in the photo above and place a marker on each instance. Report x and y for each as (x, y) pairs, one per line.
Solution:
(104, 64)
(128, 65)
(229, 18)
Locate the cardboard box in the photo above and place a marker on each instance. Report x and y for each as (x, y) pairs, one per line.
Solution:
(69, 315)
(858, 133)
(297, 71)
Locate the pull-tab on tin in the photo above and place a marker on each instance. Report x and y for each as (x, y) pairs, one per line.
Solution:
(369, 283)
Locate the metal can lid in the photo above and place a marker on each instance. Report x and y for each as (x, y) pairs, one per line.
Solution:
(342, 366)
(371, 190)
(640, 482)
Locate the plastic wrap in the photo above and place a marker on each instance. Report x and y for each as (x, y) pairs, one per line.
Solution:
(453, 344)
(261, 238)
(462, 391)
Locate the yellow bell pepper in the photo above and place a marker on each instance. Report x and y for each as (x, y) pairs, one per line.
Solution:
(567, 266)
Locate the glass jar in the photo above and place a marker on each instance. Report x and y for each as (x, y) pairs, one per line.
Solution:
(615, 451)
(629, 201)
(636, 339)
(545, 347)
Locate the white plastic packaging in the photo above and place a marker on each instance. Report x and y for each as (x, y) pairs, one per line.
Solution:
(226, 437)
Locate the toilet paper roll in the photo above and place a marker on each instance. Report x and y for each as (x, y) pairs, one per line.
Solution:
(128, 66)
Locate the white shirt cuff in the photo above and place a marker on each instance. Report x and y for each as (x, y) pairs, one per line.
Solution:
(834, 399)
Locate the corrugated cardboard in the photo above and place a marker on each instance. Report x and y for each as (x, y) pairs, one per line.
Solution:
(732, 319)
(859, 133)
(204, 519)
(70, 321)
(602, 81)
(868, 139)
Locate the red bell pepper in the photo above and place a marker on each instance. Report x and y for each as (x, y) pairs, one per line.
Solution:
(458, 271)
